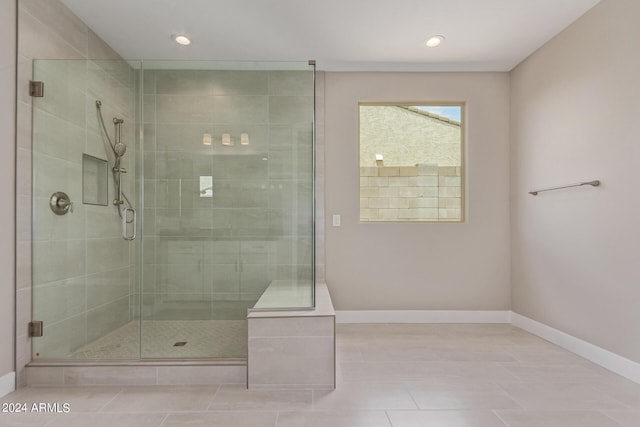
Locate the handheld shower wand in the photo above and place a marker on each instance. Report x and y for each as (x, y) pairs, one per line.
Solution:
(119, 148)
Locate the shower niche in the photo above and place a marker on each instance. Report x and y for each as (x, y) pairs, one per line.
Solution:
(215, 179)
(95, 181)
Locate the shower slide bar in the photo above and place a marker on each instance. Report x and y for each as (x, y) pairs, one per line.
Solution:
(593, 183)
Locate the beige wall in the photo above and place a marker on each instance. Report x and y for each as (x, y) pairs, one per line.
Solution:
(7, 177)
(575, 117)
(420, 266)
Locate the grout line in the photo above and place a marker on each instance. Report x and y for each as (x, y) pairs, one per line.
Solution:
(500, 389)
(111, 400)
(411, 396)
(164, 419)
(627, 407)
(495, 412)
(219, 386)
(603, 412)
(388, 418)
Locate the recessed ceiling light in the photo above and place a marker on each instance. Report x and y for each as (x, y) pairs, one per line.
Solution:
(182, 39)
(434, 41)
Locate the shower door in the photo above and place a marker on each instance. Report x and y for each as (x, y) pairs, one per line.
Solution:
(84, 275)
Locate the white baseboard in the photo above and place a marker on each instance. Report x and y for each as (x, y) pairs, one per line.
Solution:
(423, 316)
(598, 355)
(7, 383)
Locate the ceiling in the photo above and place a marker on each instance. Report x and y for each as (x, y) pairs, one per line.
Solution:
(342, 35)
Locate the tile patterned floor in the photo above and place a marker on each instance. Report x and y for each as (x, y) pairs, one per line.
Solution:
(388, 375)
(204, 338)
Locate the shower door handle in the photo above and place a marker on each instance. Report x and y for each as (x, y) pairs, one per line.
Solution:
(125, 214)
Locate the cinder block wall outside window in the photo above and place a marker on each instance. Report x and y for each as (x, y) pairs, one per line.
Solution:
(410, 193)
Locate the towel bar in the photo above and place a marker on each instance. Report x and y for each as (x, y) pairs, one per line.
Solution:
(593, 183)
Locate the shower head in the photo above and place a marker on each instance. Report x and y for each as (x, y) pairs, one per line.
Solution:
(119, 149)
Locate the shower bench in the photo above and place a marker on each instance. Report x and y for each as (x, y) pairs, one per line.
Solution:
(291, 348)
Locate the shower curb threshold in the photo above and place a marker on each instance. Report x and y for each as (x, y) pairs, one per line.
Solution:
(136, 374)
(134, 362)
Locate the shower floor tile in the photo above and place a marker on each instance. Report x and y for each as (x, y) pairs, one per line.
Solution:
(204, 339)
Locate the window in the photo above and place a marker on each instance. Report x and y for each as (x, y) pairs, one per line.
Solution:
(411, 162)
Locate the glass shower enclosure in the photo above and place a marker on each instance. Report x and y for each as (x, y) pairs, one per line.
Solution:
(169, 198)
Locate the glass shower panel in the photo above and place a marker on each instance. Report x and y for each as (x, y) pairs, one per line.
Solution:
(83, 272)
(220, 173)
(228, 201)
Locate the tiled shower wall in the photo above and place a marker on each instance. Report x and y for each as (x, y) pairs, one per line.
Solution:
(82, 274)
(212, 257)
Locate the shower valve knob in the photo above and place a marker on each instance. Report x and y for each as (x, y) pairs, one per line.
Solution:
(60, 203)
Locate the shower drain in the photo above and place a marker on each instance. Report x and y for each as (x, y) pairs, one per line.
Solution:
(180, 344)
